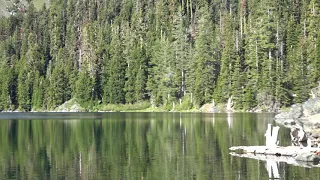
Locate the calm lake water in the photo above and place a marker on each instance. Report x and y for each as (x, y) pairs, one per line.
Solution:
(136, 146)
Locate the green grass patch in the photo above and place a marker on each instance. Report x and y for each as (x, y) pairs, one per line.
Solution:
(39, 3)
(123, 107)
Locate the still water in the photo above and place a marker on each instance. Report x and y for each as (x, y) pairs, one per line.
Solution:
(136, 146)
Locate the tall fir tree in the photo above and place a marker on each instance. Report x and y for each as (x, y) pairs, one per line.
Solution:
(206, 59)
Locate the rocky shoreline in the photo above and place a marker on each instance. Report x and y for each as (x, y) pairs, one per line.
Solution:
(305, 116)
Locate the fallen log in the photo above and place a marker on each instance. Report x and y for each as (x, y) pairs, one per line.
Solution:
(277, 151)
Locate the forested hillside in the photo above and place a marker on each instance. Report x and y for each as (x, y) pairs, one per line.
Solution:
(261, 52)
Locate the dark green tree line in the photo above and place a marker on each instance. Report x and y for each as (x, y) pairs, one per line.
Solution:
(262, 53)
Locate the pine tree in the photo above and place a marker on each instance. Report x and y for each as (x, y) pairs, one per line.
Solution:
(117, 64)
(56, 27)
(34, 57)
(84, 89)
(161, 80)
(228, 56)
(181, 52)
(206, 58)
(132, 55)
(38, 92)
(311, 27)
(24, 100)
(316, 62)
(4, 98)
(238, 81)
(300, 73)
(57, 87)
(141, 77)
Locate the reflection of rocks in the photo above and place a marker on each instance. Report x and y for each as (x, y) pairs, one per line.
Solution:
(308, 157)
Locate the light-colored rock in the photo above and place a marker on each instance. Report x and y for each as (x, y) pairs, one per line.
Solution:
(70, 106)
(311, 107)
(283, 115)
(296, 111)
(210, 108)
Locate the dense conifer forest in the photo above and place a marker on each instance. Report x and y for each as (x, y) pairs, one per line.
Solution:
(263, 53)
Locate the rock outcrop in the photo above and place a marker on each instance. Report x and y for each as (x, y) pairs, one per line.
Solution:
(70, 106)
(306, 116)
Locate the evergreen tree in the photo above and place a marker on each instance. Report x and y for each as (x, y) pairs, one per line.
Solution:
(38, 92)
(84, 89)
(237, 86)
(181, 52)
(316, 63)
(206, 58)
(132, 51)
(115, 85)
(160, 81)
(4, 98)
(223, 90)
(24, 100)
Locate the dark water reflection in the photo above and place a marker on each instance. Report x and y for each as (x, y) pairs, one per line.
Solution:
(135, 146)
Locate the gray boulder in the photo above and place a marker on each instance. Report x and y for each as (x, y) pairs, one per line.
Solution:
(283, 115)
(296, 111)
(70, 106)
(311, 107)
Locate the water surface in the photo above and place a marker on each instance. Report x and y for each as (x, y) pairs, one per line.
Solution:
(135, 146)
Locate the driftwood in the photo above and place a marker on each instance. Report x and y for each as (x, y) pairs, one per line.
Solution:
(292, 151)
(295, 155)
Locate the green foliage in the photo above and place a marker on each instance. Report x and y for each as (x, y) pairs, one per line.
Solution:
(186, 103)
(205, 61)
(115, 52)
(249, 99)
(24, 100)
(38, 93)
(84, 87)
(125, 107)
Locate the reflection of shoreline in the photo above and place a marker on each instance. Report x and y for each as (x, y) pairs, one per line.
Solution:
(132, 145)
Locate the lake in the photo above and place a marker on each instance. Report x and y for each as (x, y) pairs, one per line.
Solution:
(136, 146)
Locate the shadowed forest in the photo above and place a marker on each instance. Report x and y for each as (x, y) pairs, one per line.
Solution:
(263, 53)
